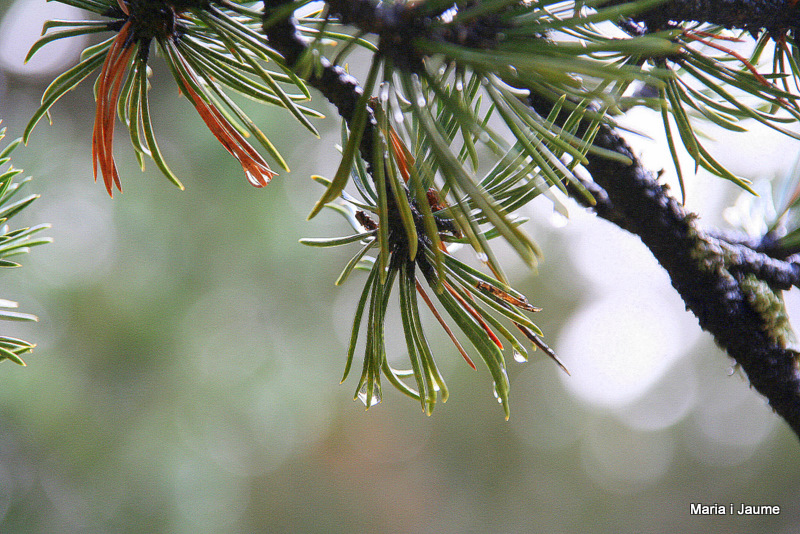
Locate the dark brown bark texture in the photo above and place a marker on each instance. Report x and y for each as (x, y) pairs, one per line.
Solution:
(774, 16)
(732, 285)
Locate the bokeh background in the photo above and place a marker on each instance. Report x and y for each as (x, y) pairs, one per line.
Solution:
(186, 377)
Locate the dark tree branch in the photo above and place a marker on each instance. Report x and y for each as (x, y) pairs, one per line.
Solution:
(602, 205)
(743, 255)
(775, 16)
(338, 87)
(781, 275)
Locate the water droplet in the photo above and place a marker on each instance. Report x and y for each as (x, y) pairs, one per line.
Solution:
(421, 101)
(558, 220)
(459, 85)
(519, 357)
(482, 257)
(383, 93)
(436, 386)
(376, 396)
(494, 391)
(398, 116)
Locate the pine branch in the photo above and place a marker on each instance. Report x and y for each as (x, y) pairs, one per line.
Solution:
(415, 222)
(501, 48)
(731, 288)
(14, 242)
(746, 255)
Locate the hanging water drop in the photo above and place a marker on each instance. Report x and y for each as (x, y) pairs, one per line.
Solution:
(558, 220)
(395, 100)
(383, 93)
(519, 357)
(375, 399)
(482, 257)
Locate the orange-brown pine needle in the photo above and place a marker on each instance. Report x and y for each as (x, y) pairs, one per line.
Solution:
(401, 155)
(255, 168)
(733, 53)
(474, 313)
(502, 295)
(109, 87)
(446, 328)
(716, 36)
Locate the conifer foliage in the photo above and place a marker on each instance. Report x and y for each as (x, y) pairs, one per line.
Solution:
(13, 243)
(470, 110)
